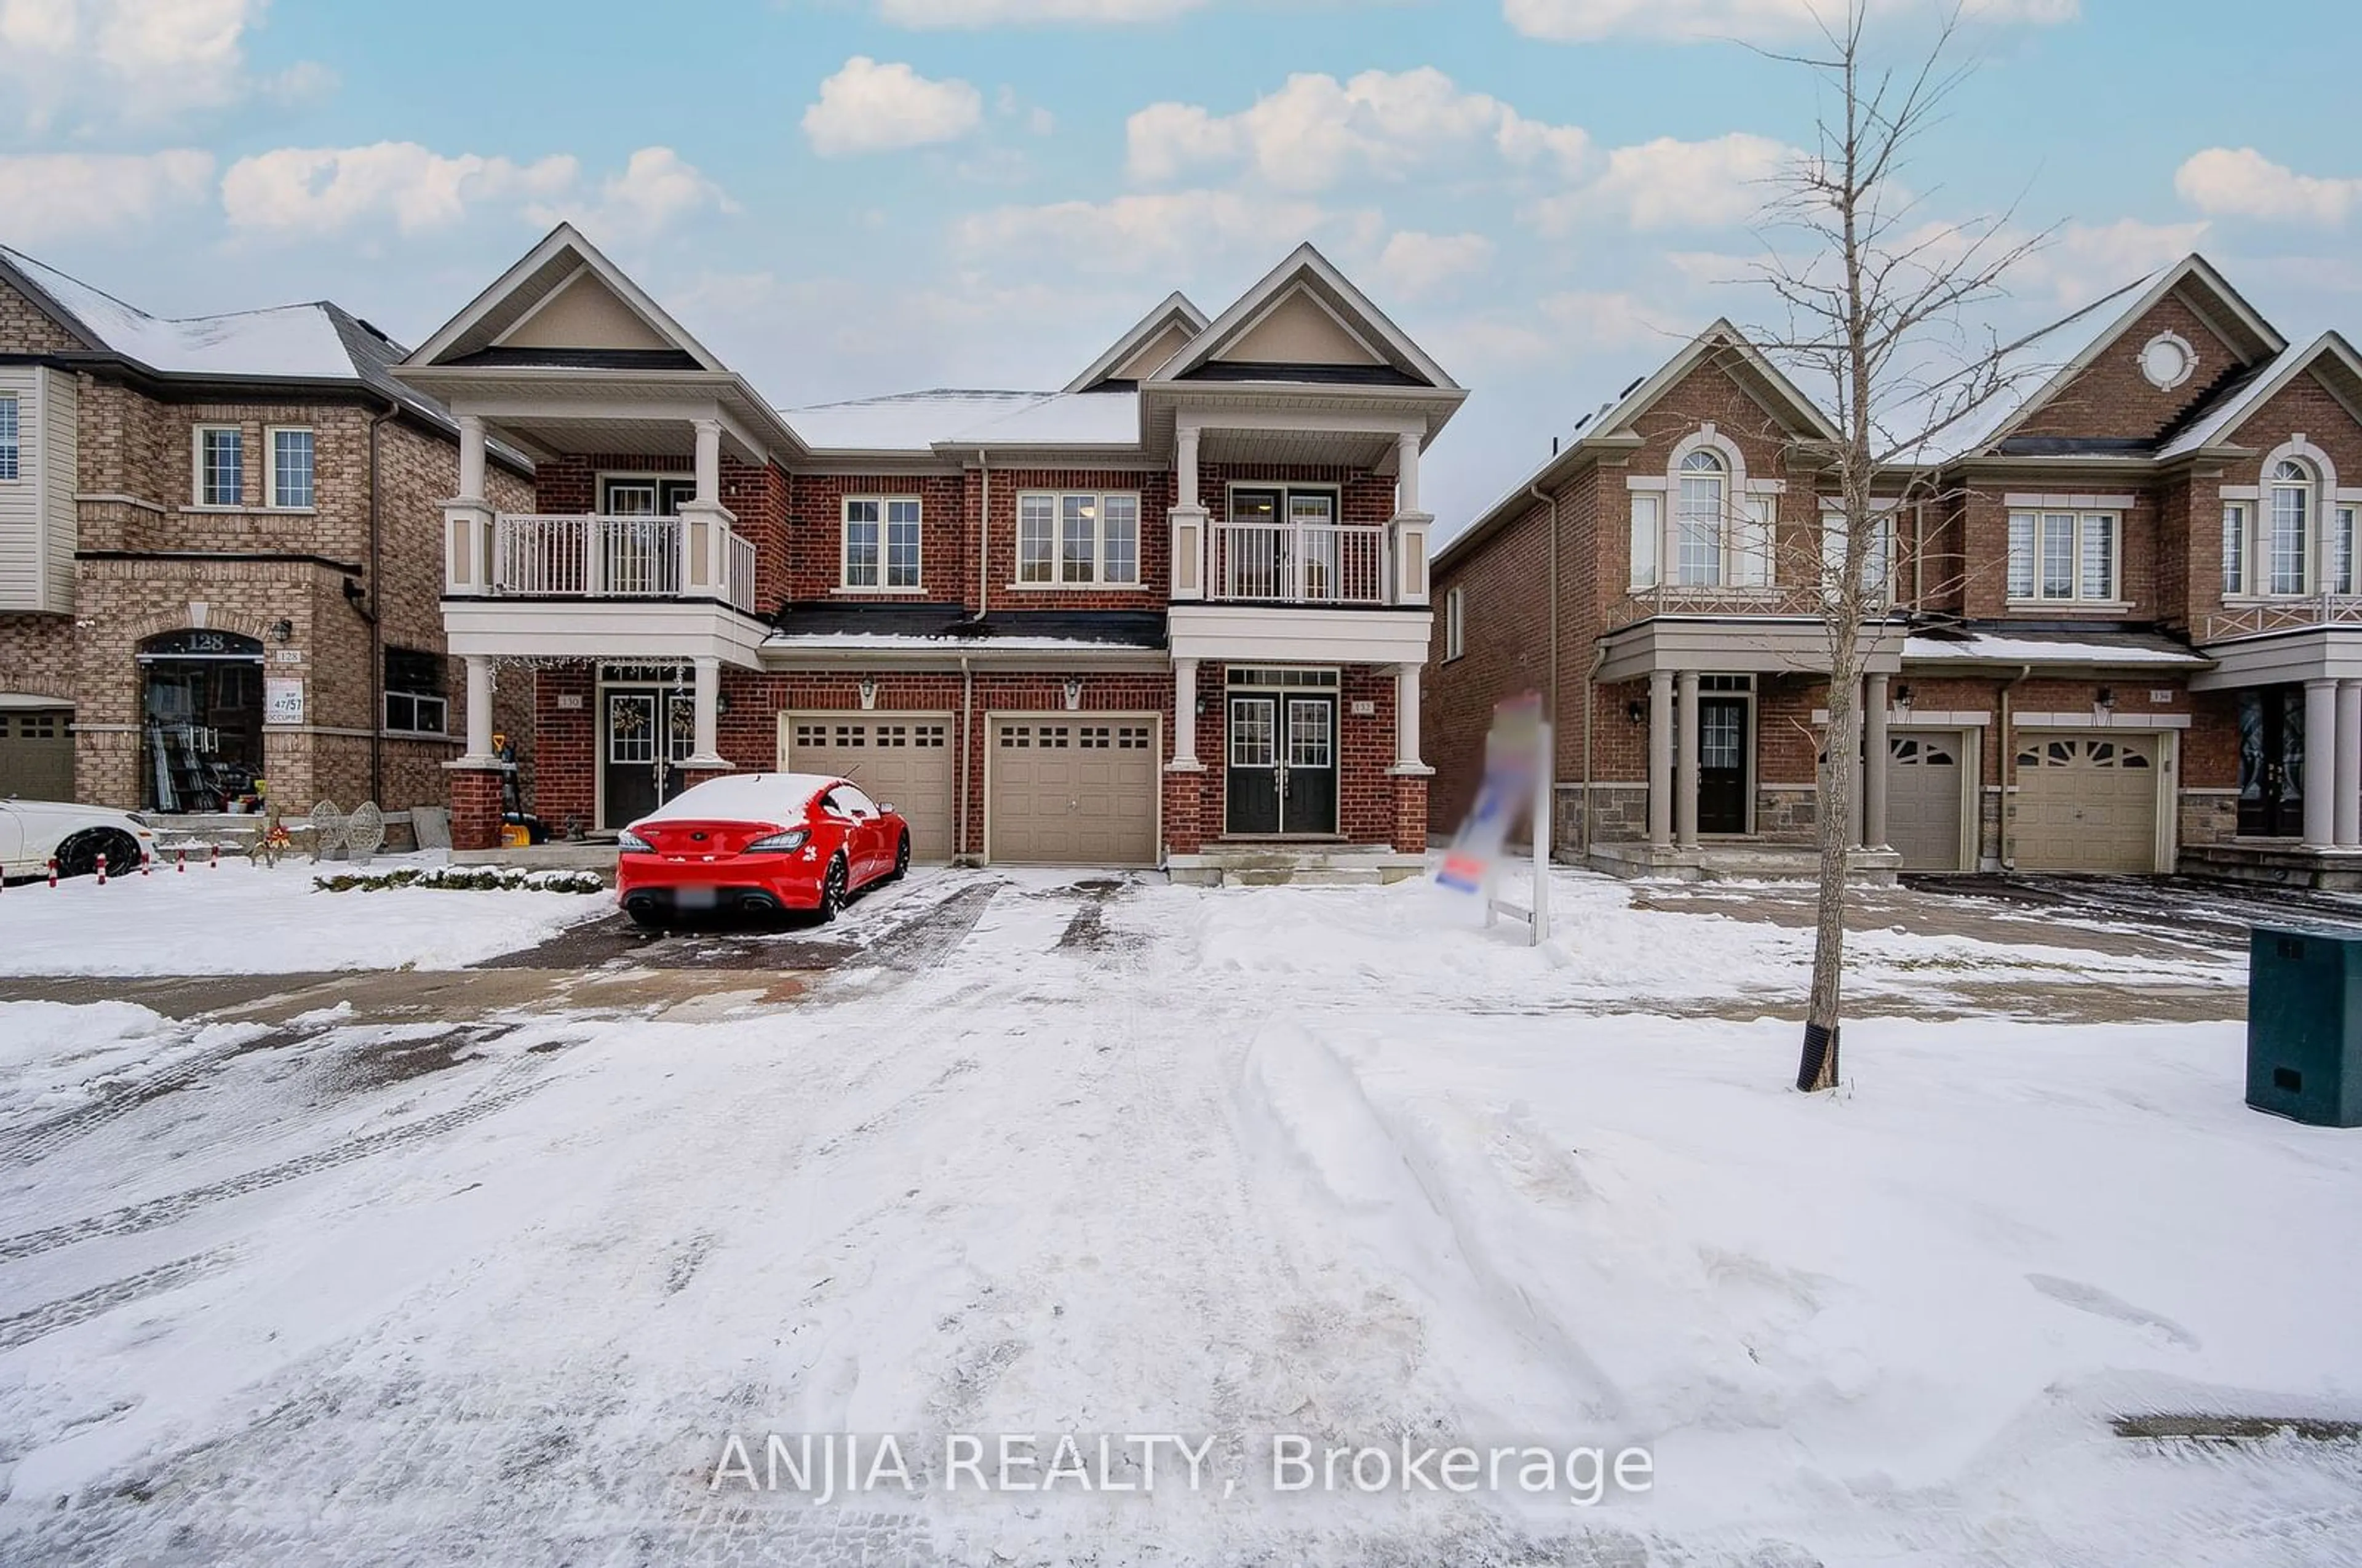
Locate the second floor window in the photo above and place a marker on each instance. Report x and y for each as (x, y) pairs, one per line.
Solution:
(8, 466)
(2063, 556)
(1455, 624)
(1720, 536)
(2289, 543)
(221, 466)
(1877, 561)
(1703, 516)
(881, 542)
(1075, 539)
(290, 470)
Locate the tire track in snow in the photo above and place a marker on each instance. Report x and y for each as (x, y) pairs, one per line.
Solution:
(42, 1138)
(22, 1328)
(133, 1218)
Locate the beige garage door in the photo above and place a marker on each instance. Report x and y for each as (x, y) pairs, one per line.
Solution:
(903, 761)
(37, 754)
(2086, 804)
(1923, 799)
(1072, 789)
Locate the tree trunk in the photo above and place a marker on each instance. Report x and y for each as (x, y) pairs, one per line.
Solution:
(1817, 1067)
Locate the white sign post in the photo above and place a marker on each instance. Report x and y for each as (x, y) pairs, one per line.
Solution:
(1536, 912)
(1518, 765)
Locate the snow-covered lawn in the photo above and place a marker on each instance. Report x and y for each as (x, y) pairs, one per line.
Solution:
(1230, 1165)
(237, 918)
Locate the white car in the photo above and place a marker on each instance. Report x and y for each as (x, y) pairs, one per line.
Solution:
(32, 832)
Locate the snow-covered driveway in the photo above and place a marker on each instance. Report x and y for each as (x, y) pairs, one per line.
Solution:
(1052, 1157)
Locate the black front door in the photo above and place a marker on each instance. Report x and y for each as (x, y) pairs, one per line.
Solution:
(650, 731)
(2271, 762)
(1254, 764)
(1308, 785)
(1722, 765)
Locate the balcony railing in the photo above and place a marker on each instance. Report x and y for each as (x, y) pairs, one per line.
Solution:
(610, 557)
(2282, 616)
(1785, 599)
(1299, 563)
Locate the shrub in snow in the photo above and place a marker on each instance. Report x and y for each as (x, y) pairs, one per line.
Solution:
(468, 878)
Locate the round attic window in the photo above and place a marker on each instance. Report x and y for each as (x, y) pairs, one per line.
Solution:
(2168, 360)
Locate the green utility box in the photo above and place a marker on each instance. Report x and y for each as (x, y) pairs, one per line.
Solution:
(2304, 1024)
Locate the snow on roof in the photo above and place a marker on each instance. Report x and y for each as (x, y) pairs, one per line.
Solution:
(298, 342)
(2225, 416)
(2003, 648)
(917, 421)
(745, 797)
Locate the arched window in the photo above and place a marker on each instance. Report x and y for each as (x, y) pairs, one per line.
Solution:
(2288, 524)
(1702, 517)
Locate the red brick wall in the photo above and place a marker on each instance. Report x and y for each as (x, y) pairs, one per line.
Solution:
(1155, 540)
(2111, 397)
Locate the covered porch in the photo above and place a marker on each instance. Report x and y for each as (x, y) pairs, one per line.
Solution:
(2294, 676)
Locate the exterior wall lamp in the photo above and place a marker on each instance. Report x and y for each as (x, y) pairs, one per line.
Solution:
(2108, 697)
(282, 630)
(1903, 696)
(1073, 694)
(869, 692)
(1637, 711)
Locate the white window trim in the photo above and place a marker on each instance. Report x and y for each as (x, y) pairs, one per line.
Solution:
(16, 403)
(2038, 600)
(1880, 522)
(1455, 622)
(845, 583)
(271, 434)
(197, 501)
(1741, 495)
(1097, 582)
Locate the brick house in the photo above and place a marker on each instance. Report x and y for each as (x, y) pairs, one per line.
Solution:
(2123, 607)
(218, 555)
(1173, 614)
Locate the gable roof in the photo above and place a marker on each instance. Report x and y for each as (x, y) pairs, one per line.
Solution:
(1610, 427)
(1308, 272)
(2034, 375)
(1175, 311)
(562, 260)
(2329, 355)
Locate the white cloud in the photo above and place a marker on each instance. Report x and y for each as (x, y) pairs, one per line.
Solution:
(2245, 183)
(869, 107)
(657, 189)
(1169, 232)
(1315, 131)
(138, 61)
(1585, 21)
(994, 13)
(48, 195)
(2084, 261)
(1668, 184)
(1415, 265)
(309, 192)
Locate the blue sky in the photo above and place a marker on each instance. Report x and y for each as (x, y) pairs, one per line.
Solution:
(846, 197)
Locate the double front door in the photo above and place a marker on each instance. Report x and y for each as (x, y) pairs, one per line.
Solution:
(650, 731)
(1283, 764)
(2271, 762)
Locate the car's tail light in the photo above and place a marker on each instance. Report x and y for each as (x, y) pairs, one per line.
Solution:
(631, 843)
(779, 843)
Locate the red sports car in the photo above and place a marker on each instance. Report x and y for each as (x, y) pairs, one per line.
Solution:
(761, 842)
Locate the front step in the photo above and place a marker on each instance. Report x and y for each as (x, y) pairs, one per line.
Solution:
(1301, 866)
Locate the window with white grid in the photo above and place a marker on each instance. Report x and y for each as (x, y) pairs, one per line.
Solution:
(881, 542)
(221, 466)
(2065, 556)
(8, 437)
(292, 469)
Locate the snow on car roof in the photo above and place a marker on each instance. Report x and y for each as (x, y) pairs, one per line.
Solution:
(745, 797)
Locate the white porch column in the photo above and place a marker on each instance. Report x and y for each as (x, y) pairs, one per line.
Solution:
(2320, 772)
(2348, 822)
(1685, 781)
(707, 700)
(1875, 763)
(1188, 523)
(1406, 720)
(709, 462)
(1406, 472)
(1185, 715)
(480, 710)
(1660, 759)
(471, 457)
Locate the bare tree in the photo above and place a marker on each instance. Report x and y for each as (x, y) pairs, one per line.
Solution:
(1874, 295)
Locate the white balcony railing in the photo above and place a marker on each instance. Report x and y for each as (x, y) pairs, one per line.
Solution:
(1299, 563)
(2255, 618)
(609, 557)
